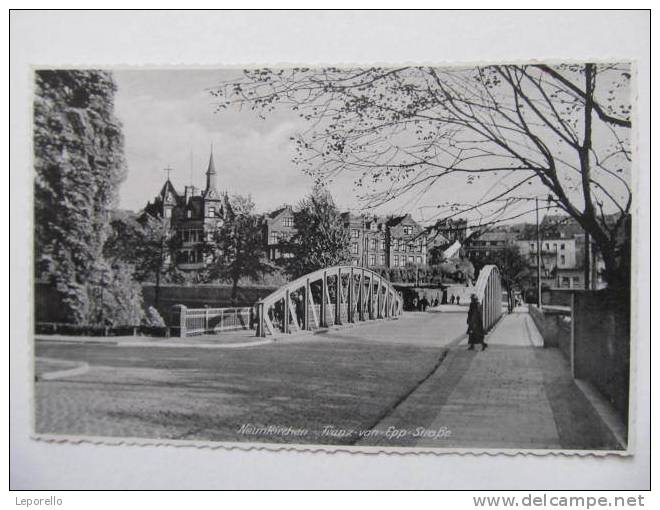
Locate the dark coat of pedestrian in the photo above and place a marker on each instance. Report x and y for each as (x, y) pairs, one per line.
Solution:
(475, 324)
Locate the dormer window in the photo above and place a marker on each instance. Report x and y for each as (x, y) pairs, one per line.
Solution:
(212, 212)
(189, 214)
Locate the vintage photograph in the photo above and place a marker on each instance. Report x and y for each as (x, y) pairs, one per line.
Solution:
(409, 257)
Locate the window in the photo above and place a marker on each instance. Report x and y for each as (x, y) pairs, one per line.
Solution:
(411, 259)
(355, 233)
(274, 239)
(562, 246)
(419, 260)
(354, 247)
(168, 212)
(372, 260)
(373, 226)
(396, 261)
(212, 212)
(566, 280)
(288, 221)
(382, 259)
(547, 246)
(382, 244)
(562, 260)
(189, 214)
(373, 244)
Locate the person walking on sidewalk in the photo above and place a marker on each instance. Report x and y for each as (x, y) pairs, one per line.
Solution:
(475, 324)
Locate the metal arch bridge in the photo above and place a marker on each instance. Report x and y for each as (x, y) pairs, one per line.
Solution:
(489, 292)
(348, 294)
(327, 297)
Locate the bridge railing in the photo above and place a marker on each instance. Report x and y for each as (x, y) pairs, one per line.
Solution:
(201, 321)
(327, 297)
(489, 291)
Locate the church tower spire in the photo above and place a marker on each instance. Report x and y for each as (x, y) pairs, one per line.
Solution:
(210, 176)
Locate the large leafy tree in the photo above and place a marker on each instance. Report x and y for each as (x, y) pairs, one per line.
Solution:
(237, 248)
(560, 133)
(79, 163)
(321, 239)
(144, 243)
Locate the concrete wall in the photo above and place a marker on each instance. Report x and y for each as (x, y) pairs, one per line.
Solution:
(555, 328)
(409, 293)
(461, 291)
(602, 344)
(48, 303)
(599, 350)
(199, 296)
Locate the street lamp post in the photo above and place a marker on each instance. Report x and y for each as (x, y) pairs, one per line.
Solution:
(538, 256)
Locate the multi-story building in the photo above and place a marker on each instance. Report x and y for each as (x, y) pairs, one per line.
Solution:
(278, 231)
(367, 240)
(191, 217)
(374, 242)
(481, 246)
(558, 260)
(406, 242)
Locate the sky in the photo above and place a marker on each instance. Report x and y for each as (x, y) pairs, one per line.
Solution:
(170, 121)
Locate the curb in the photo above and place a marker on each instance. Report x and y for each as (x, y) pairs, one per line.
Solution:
(82, 368)
(179, 345)
(604, 411)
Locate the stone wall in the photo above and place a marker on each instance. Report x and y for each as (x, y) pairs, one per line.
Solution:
(602, 344)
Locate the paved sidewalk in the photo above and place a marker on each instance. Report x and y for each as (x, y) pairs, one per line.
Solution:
(515, 395)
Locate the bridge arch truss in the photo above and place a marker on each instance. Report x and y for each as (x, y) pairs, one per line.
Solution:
(327, 297)
(489, 291)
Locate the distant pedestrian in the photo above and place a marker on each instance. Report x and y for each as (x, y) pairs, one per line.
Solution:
(423, 304)
(475, 324)
(452, 299)
(458, 300)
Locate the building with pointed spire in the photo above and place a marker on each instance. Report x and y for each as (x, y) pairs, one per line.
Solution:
(191, 217)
